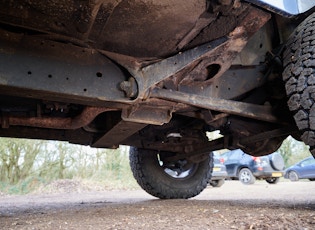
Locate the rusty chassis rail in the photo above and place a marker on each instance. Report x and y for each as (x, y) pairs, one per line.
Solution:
(258, 112)
(85, 118)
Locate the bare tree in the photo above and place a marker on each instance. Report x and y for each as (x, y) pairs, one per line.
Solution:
(17, 157)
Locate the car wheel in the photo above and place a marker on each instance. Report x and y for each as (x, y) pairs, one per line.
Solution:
(293, 176)
(174, 180)
(246, 176)
(273, 180)
(312, 179)
(216, 183)
(298, 74)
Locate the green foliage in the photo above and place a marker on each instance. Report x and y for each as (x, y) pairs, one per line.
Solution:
(23, 186)
(293, 151)
(27, 164)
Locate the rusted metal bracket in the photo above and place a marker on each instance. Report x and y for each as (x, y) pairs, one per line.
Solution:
(258, 112)
(221, 52)
(118, 134)
(155, 115)
(152, 74)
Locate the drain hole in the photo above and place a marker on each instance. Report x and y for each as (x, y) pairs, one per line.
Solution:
(99, 74)
(213, 70)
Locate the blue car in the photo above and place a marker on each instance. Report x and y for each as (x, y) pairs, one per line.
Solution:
(219, 173)
(304, 169)
(247, 168)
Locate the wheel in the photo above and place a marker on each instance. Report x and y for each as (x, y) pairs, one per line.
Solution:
(293, 176)
(312, 179)
(299, 77)
(172, 180)
(273, 180)
(216, 183)
(246, 176)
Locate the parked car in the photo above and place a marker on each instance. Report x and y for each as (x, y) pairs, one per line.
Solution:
(304, 169)
(247, 169)
(219, 173)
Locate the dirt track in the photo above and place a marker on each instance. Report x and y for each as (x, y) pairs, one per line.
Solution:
(286, 205)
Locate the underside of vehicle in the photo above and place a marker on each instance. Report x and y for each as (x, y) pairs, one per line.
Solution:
(158, 75)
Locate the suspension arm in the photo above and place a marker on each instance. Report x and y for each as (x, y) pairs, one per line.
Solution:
(258, 112)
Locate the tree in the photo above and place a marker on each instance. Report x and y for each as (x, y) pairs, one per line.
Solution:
(293, 151)
(17, 157)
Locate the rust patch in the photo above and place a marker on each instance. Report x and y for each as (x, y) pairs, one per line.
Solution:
(225, 54)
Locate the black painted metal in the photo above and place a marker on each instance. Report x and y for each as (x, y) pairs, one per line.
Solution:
(49, 70)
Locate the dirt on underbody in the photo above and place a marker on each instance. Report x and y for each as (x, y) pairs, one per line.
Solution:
(286, 205)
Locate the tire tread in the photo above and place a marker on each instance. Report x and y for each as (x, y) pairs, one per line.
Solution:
(299, 77)
(154, 185)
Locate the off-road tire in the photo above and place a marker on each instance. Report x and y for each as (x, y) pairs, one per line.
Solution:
(151, 176)
(299, 77)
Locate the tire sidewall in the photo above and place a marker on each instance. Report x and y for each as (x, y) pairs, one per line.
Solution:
(153, 179)
(293, 176)
(246, 171)
(273, 180)
(157, 173)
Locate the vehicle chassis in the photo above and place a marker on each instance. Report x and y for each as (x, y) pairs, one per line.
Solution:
(157, 86)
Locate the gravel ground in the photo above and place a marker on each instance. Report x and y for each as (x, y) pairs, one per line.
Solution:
(286, 205)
